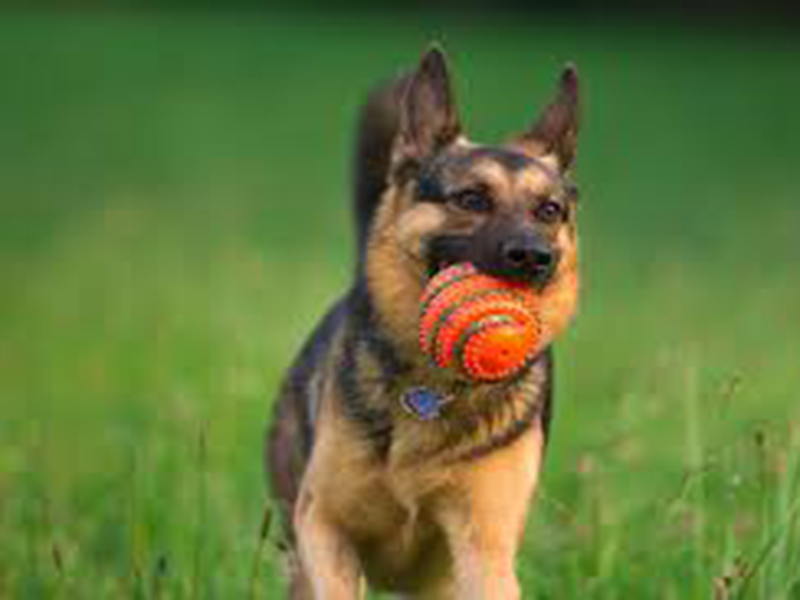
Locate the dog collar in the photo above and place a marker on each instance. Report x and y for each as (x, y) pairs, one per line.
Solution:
(424, 403)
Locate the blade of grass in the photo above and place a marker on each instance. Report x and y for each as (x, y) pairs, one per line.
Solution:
(202, 509)
(766, 550)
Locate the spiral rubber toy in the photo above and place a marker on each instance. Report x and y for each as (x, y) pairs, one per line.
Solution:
(485, 327)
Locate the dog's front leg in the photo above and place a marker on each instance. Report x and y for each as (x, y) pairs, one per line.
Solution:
(483, 558)
(483, 518)
(328, 559)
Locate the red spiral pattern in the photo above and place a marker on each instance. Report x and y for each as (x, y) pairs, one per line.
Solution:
(487, 328)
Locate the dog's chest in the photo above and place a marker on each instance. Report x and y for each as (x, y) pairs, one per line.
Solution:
(384, 509)
(390, 520)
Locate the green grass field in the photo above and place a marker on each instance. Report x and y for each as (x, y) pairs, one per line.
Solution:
(174, 217)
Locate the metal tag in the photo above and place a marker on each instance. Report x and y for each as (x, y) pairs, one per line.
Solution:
(424, 403)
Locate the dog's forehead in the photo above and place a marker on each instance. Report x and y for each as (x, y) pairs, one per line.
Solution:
(501, 167)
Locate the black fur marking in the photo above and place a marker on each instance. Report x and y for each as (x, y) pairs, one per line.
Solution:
(373, 336)
(301, 377)
(510, 159)
(445, 250)
(507, 158)
(429, 186)
(376, 424)
(364, 331)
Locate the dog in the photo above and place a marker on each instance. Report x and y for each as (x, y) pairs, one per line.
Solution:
(372, 494)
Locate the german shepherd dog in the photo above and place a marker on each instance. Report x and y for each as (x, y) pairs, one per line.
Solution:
(372, 493)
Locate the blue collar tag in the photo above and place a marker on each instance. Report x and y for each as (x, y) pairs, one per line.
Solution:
(423, 403)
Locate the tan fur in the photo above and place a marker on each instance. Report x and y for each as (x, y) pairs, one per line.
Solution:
(395, 269)
(392, 514)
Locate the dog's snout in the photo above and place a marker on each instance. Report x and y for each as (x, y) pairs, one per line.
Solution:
(526, 256)
(526, 252)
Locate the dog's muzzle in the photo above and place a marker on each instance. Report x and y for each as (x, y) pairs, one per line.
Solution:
(527, 258)
(520, 255)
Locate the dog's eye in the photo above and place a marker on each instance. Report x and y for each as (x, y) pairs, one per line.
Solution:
(472, 201)
(548, 212)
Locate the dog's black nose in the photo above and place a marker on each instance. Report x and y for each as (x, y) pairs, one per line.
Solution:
(528, 257)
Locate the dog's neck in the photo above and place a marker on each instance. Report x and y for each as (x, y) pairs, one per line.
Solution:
(476, 418)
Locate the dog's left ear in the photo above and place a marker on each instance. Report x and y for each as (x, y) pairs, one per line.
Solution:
(556, 131)
(428, 115)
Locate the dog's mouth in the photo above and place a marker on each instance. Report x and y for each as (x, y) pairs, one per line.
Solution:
(537, 277)
(445, 251)
(530, 268)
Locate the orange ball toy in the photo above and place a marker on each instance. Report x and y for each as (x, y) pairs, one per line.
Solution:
(487, 328)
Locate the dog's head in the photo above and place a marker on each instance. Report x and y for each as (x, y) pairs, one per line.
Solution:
(510, 209)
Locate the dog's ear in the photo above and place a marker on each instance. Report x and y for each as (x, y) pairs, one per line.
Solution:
(556, 131)
(428, 115)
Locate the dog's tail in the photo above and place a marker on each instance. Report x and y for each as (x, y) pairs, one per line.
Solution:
(377, 126)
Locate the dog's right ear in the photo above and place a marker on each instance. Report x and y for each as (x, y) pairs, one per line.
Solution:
(556, 131)
(428, 115)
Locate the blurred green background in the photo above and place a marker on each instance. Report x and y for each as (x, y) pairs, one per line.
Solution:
(174, 192)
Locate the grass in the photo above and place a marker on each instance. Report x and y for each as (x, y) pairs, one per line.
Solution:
(173, 218)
